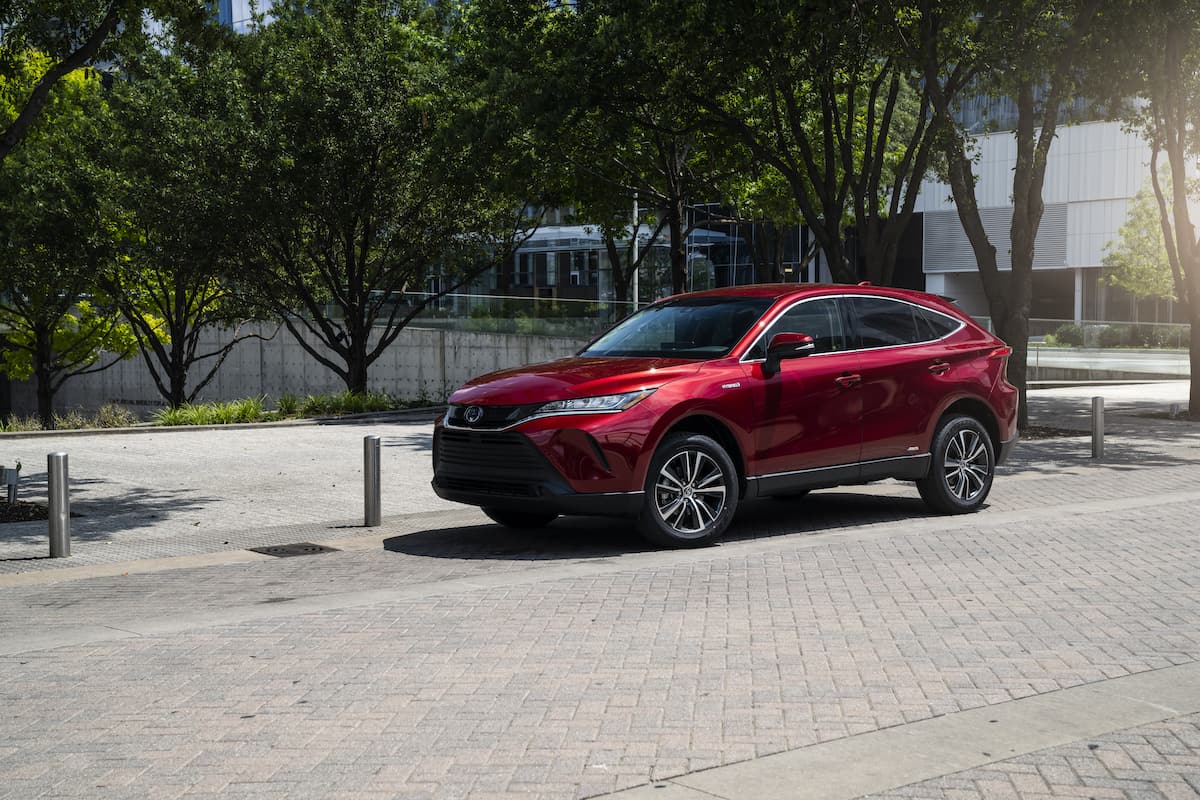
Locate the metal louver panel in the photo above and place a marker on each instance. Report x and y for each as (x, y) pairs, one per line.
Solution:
(947, 249)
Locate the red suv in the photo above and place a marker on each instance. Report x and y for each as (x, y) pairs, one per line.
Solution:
(700, 401)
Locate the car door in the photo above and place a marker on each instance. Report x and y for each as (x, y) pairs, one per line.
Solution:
(807, 416)
(904, 369)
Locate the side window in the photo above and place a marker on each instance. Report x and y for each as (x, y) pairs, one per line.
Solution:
(935, 325)
(884, 323)
(818, 318)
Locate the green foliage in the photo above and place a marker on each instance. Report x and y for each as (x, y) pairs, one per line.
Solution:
(177, 162)
(358, 176)
(113, 415)
(1134, 335)
(1070, 335)
(1138, 259)
(110, 415)
(287, 405)
(15, 424)
(347, 402)
(213, 413)
(57, 230)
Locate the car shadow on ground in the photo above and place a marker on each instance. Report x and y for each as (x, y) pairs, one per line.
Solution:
(571, 538)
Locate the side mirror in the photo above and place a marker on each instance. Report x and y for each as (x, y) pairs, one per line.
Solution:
(787, 345)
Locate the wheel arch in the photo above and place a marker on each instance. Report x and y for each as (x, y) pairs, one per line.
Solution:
(979, 410)
(715, 429)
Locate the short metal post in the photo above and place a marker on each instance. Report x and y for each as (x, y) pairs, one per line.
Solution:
(1097, 427)
(60, 505)
(373, 514)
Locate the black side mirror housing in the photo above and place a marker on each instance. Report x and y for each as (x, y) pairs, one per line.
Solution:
(787, 345)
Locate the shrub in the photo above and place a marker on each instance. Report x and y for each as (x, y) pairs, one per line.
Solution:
(287, 405)
(16, 424)
(1070, 335)
(72, 421)
(211, 413)
(1114, 336)
(347, 402)
(112, 415)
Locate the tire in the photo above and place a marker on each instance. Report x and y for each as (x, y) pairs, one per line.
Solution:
(962, 467)
(520, 520)
(691, 492)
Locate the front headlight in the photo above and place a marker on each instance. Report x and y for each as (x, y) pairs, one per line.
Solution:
(603, 403)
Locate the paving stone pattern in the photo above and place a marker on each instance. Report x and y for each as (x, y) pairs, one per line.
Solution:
(1152, 762)
(571, 688)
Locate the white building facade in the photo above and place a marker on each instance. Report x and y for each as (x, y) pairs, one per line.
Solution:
(1094, 169)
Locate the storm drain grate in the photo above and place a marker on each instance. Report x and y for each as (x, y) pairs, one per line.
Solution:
(288, 550)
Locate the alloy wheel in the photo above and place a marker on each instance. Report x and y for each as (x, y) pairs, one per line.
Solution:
(690, 492)
(967, 465)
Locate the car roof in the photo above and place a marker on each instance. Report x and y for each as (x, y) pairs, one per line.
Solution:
(776, 291)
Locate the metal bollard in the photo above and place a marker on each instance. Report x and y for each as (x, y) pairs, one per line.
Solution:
(373, 513)
(1097, 427)
(60, 505)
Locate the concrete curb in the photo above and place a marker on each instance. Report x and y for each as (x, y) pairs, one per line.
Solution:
(400, 415)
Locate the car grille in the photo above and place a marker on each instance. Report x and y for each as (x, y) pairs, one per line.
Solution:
(493, 416)
(490, 462)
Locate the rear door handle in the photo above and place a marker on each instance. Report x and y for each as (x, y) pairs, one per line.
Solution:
(848, 381)
(939, 367)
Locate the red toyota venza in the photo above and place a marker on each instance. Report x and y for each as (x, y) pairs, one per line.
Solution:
(700, 401)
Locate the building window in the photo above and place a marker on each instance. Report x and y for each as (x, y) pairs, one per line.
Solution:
(523, 270)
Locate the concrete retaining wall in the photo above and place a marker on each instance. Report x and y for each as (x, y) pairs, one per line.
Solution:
(421, 363)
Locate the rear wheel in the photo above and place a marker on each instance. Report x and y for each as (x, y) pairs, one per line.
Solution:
(522, 520)
(691, 492)
(962, 467)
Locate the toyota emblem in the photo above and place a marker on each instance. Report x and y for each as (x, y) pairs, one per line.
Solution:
(473, 415)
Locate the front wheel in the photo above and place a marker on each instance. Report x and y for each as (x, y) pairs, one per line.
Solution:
(521, 520)
(691, 492)
(962, 467)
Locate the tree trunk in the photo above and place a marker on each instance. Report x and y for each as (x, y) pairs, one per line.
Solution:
(1194, 362)
(43, 359)
(676, 216)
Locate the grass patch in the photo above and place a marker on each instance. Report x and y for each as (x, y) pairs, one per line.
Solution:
(339, 403)
(249, 409)
(15, 424)
(110, 415)
(288, 406)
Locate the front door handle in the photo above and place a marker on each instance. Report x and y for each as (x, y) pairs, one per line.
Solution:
(939, 368)
(848, 381)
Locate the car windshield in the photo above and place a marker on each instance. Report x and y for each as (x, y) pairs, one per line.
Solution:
(688, 327)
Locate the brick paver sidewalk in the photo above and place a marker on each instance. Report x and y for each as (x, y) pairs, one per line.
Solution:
(450, 658)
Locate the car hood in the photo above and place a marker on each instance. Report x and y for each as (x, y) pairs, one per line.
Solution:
(571, 377)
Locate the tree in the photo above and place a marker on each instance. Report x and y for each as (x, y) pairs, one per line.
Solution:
(67, 35)
(817, 92)
(179, 155)
(56, 236)
(586, 79)
(1138, 260)
(1167, 79)
(1027, 50)
(361, 183)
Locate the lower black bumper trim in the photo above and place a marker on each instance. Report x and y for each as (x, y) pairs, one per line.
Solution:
(610, 504)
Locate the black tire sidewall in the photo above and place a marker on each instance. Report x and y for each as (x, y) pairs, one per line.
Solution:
(651, 523)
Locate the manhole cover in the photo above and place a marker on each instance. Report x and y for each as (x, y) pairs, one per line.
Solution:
(299, 549)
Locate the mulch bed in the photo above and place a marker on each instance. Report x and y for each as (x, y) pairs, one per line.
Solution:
(1047, 432)
(22, 512)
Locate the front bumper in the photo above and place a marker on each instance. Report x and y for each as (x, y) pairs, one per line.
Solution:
(505, 470)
